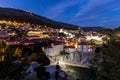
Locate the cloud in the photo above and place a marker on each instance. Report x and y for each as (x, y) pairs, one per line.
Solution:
(59, 8)
(98, 12)
(92, 4)
(111, 23)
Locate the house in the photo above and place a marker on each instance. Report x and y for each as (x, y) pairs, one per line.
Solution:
(85, 47)
(49, 51)
(27, 42)
(54, 49)
(14, 42)
(3, 35)
(69, 49)
(34, 33)
(33, 37)
(11, 33)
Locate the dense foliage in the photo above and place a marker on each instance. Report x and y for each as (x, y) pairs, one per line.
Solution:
(107, 61)
(17, 60)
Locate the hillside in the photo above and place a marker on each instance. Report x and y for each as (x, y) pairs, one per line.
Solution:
(24, 16)
(97, 29)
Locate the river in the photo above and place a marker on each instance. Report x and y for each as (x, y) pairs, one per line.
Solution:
(81, 73)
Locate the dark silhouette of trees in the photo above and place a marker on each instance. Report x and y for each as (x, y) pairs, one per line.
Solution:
(108, 32)
(43, 59)
(107, 61)
(16, 59)
(41, 73)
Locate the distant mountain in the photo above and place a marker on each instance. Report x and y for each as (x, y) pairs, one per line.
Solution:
(24, 16)
(97, 29)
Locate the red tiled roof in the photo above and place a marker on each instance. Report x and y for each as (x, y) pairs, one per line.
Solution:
(26, 41)
(40, 39)
(48, 47)
(83, 43)
(34, 36)
(69, 46)
(58, 42)
(3, 37)
(14, 40)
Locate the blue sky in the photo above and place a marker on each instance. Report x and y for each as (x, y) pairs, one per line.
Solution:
(104, 13)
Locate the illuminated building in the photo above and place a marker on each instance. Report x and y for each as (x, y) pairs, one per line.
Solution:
(85, 47)
(54, 49)
(34, 33)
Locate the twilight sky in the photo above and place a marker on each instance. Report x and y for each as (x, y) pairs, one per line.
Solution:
(104, 13)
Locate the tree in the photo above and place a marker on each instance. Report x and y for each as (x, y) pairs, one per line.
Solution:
(9, 68)
(107, 61)
(43, 59)
(18, 52)
(92, 41)
(41, 73)
(79, 35)
(108, 32)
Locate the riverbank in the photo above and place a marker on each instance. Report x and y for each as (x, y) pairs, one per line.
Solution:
(81, 73)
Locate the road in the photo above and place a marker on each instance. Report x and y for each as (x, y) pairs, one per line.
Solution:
(73, 64)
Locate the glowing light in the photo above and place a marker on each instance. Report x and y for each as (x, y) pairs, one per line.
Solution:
(94, 37)
(15, 23)
(67, 33)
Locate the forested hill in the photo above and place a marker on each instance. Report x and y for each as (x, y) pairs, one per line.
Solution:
(25, 16)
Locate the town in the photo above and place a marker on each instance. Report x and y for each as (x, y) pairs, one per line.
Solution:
(59, 39)
(61, 46)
